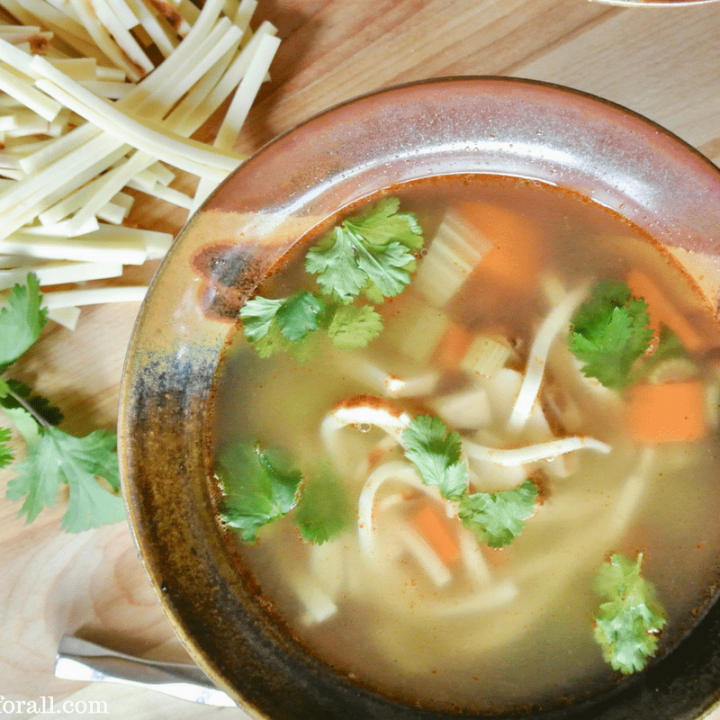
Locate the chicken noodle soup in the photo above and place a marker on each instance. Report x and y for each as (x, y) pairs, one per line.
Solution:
(463, 465)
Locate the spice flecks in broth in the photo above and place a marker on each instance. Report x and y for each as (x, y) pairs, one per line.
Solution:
(520, 378)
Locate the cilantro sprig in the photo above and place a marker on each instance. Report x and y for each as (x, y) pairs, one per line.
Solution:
(294, 324)
(21, 320)
(294, 317)
(324, 509)
(18, 394)
(610, 332)
(261, 485)
(58, 458)
(54, 459)
(495, 518)
(374, 250)
(354, 326)
(371, 254)
(628, 622)
(437, 454)
(6, 453)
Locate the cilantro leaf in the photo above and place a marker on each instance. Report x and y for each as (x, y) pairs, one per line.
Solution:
(354, 326)
(259, 487)
(289, 324)
(306, 349)
(437, 455)
(100, 447)
(324, 508)
(375, 248)
(271, 342)
(25, 424)
(626, 625)
(386, 269)
(497, 518)
(21, 320)
(298, 315)
(57, 458)
(301, 350)
(382, 223)
(372, 294)
(41, 405)
(610, 332)
(6, 453)
(258, 315)
(275, 325)
(90, 505)
(37, 482)
(333, 261)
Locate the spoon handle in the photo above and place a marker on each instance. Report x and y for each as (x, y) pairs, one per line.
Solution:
(78, 659)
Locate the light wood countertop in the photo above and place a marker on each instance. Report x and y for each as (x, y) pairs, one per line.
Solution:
(661, 62)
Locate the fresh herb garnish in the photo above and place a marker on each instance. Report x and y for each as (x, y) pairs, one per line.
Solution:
(375, 250)
(354, 326)
(323, 511)
(274, 341)
(295, 324)
(285, 324)
(437, 454)
(21, 320)
(381, 223)
(58, 458)
(610, 332)
(294, 316)
(260, 486)
(259, 316)
(40, 405)
(6, 453)
(370, 254)
(627, 624)
(54, 458)
(299, 314)
(497, 518)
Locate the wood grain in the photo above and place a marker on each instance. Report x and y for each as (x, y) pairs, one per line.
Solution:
(661, 62)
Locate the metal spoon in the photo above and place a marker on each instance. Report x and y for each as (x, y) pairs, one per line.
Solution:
(78, 659)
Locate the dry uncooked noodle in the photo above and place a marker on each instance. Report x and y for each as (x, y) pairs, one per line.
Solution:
(70, 151)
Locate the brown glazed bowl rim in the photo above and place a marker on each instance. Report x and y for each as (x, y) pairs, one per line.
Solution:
(449, 125)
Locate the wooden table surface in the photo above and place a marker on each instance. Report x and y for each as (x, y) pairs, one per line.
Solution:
(661, 62)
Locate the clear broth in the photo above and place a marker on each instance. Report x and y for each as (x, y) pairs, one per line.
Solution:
(536, 647)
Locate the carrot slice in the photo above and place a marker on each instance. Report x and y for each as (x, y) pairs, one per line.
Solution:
(453, 346)
(662, 311)
(668, 412)
(516, 256)
(434, 527)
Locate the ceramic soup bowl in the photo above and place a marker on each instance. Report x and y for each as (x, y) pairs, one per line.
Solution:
(440, 127)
